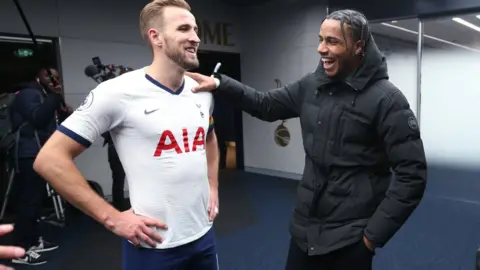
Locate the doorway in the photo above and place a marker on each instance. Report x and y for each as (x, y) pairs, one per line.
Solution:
(21, 60)
(228, 120)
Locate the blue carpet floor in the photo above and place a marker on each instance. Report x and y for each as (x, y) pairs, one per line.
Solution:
(443, 234)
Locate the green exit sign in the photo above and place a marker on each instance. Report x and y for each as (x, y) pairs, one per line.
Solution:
(22, 53)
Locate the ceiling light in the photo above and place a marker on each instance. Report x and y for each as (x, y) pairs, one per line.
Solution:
(478, 16)
(20, 39)
(467, 24)
(431, 37)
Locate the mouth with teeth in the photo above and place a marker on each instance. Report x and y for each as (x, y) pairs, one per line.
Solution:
(328, 63)
(191, 50)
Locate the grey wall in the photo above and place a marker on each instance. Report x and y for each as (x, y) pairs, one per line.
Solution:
(279, 40)
(106, 20)
(449, 109)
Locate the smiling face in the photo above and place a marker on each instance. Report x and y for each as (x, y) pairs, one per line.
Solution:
(171, 31)
(339, 51)
(177, 38)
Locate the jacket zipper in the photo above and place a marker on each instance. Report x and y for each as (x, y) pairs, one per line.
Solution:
(317, 191)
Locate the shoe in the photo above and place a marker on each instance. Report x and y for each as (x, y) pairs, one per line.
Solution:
(43, 246)
(31, 258)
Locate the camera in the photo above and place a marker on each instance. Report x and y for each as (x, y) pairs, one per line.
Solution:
(100, 72)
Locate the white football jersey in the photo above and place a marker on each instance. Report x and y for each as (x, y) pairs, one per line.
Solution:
(160, 137)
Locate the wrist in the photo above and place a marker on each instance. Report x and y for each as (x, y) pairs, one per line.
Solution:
(108, 217)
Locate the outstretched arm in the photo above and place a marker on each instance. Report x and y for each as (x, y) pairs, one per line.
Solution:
(277, 104)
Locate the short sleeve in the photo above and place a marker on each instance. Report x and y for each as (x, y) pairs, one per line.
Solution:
(101, 111)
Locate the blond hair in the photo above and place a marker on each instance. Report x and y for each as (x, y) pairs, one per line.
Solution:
(152, 13)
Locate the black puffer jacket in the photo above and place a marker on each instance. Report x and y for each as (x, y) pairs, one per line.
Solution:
(355, 133)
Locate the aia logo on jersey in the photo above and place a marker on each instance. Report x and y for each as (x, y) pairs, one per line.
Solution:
(169, 142)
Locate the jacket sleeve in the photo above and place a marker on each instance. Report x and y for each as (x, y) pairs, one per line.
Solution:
(277, 104)
(30, 106)
(399, 130)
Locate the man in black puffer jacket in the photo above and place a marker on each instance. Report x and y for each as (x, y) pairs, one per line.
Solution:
(359, 133)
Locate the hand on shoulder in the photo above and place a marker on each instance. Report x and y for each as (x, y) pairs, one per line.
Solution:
(205, 83)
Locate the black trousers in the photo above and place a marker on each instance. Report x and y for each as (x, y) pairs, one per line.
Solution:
(31, 191)
(118, 177)
(353, 257)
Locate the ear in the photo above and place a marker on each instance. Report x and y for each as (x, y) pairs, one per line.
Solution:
(359, 47)
(156, 37)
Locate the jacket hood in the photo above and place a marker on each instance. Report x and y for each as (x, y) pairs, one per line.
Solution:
(373, 67)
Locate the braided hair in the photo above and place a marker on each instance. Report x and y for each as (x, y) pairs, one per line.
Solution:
(360, 31)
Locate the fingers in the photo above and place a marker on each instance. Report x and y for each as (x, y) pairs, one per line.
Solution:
(150, 236)
(205, 87)
(146, 239)
(146, 235)
(194, 76)
(4, 229)
(10, 252)
(3, 267)
(213, 211)
(152, 222)
(210, 213)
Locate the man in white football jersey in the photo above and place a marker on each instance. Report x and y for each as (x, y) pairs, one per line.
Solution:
(163, 133)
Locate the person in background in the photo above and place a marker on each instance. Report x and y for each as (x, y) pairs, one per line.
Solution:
(37, 109)
(365, 167)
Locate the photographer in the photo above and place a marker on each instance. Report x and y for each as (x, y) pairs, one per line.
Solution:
(37, 110)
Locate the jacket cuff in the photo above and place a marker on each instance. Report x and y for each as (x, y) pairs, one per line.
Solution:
(217, 82)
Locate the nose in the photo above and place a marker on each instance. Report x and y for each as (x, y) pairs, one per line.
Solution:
(322, 48)
(194, 37)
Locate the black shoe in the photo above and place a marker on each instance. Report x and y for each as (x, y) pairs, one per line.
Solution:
(43, 246)
(31, 258)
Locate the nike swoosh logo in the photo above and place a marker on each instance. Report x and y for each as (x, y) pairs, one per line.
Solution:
(149, 112)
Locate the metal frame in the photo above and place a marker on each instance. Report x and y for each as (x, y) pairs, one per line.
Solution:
(420, 37)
